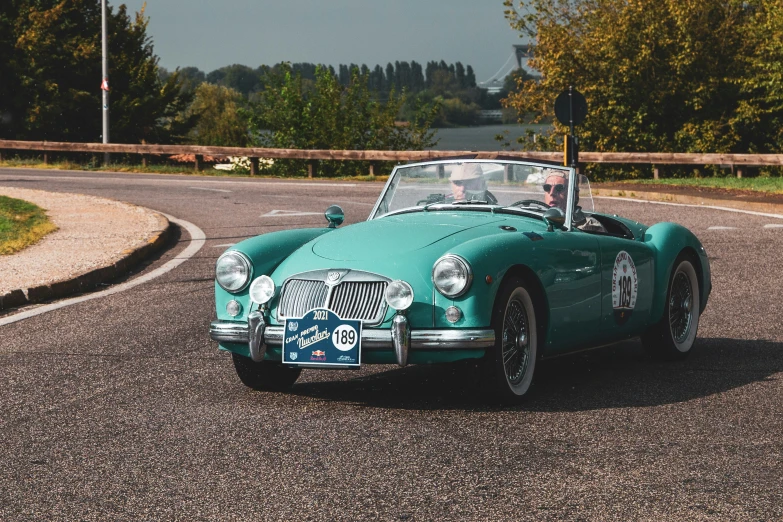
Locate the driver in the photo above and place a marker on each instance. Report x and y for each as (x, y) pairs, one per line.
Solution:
(467, 183)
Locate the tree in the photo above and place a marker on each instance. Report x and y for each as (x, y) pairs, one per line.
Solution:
(52, 70)
(238, 77)
(332, 116)
(760, 111)
(191, 78)
(658, 75)
(220, 118)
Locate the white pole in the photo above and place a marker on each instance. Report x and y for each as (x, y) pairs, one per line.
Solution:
(105, 79)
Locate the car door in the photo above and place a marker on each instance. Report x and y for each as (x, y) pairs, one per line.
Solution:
(627, 284)
(572, 280)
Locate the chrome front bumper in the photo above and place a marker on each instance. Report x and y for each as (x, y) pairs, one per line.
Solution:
(401, 341)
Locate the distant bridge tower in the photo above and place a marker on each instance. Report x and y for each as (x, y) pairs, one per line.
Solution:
(522, 52)
(495, 83)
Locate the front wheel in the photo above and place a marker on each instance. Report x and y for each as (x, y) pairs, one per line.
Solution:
(264, 375)
(510, 364)
(673, 337)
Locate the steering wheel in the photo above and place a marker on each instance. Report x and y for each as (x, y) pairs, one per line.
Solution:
(432, 198)
(529, 202)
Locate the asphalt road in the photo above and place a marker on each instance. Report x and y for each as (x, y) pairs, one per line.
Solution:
(122, 408)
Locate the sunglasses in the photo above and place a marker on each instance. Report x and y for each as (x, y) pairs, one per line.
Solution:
(558, 188)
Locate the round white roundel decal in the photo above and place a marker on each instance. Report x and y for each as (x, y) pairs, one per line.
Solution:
(345, 337)
(625, 286)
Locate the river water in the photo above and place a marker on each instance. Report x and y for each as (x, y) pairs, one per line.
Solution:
(482, 137)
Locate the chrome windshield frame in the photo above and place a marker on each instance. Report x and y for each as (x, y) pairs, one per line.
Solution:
(569, 201)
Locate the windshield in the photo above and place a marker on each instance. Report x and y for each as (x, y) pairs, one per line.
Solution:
(470, 183)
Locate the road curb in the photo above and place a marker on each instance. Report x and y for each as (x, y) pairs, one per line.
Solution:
(667, 197)
(90, 280)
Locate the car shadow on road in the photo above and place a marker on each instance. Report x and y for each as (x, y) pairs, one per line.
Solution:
(618, 376)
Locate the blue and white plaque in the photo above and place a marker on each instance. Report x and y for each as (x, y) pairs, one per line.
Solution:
(322, 338)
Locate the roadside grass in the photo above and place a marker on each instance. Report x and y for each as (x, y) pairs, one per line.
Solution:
(759, 184)
(21, 224)
(184, 169)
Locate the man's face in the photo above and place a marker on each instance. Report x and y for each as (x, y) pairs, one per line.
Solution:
(556, 189)
(458, 187)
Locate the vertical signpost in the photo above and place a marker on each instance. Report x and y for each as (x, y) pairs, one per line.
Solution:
(571, 109)
(105, 80)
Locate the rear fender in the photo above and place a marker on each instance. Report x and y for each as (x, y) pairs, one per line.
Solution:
(668, 241)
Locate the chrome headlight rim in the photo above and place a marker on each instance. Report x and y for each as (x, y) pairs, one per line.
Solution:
(245, 261)
(466, 268)
(407, 286)
(257, 281)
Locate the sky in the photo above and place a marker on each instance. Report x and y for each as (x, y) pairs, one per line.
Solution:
(209, 34)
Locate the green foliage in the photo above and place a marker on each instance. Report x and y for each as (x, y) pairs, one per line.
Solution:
(326, 115)
(658, 75)
(220, 118)
(51, 71)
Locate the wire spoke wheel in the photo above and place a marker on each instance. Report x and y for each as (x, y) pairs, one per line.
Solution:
(516, 346)
(509, 366)
(680, 307)
(675, 334)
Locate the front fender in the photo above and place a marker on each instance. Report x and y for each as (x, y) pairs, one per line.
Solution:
(266, 252)
(668, 240)
(490, 259)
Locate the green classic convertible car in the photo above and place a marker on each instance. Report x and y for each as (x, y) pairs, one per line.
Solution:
(501, 261)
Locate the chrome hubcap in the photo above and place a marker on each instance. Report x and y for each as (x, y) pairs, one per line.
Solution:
(680, 307)
(516, 348)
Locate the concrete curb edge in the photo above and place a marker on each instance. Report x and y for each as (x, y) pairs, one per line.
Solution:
(90, 280)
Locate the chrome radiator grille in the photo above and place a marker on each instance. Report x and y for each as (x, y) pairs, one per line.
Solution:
(300, 296)
(350, 299)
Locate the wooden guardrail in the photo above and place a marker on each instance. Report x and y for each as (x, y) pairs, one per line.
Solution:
(254, 153)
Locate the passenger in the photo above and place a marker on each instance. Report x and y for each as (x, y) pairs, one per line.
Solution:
(556, 189)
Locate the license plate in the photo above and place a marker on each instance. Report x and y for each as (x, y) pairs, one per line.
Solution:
(322, 338)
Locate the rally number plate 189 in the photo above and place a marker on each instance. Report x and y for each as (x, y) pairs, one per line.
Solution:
(322, 338)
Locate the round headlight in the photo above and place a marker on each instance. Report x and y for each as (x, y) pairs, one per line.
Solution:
(451, 275)
(399, 295)
(262, 290)
(232, 271)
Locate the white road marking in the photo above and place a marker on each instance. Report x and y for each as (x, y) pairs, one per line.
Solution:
(197, 239)
(289, 213)
(773, 225)
(211, 189)
(721, 228)
(713, 207)
(224, 246)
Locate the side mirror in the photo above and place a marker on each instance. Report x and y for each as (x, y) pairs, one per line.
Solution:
(335, 216)
(554, 216)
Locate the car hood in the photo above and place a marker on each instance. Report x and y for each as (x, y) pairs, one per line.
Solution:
(396, 235)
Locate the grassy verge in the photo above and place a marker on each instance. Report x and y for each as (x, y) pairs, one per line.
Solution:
(184, 169)
(774, 185)
(21, 225)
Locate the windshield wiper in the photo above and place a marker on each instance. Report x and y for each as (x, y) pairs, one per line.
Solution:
(471, 202)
